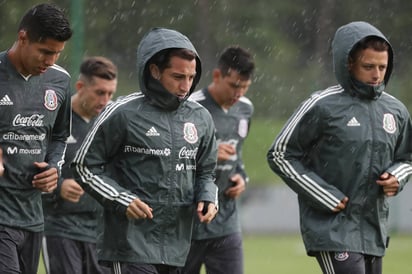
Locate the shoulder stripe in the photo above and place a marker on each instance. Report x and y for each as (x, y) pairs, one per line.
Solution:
(59, 68)
(197, 96)
(303, 181)
(245, 100)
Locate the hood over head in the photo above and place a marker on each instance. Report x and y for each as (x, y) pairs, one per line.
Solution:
(346, 37)
(156, 40)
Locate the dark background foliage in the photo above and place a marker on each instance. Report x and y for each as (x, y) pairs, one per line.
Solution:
(289, 39)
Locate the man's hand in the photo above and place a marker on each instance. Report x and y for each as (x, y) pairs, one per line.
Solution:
(225, 151)
(206, 216)
(139, 210)
(46, 179)
(71, 190)
(342, 205)
(237, 188)
(389, 184)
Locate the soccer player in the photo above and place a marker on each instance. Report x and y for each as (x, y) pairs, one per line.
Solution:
(345, 151)
(34, 125)
(150, 159)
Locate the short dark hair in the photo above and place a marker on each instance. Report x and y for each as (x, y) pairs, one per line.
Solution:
(372, 42)
(162, 58)
(98, 66)
(45, 21)
(238, 59)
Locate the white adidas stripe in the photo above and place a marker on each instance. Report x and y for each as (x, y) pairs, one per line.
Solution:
(95, 182)
(313, 189)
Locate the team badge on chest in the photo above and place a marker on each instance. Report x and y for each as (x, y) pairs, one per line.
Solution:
(190, 133)
(389, 123)
(50, 99)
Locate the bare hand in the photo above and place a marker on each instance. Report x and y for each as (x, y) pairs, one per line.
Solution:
(389, 184)
(46, 180)
(210, 214)
(342, 205)
(139, 210)
(1, 163)
(225, 151)
(238, 187)
(71, 190)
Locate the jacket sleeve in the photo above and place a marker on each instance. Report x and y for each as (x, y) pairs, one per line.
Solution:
(402, 166)
(286, 157)
(205, 187)
(97, 150)
(240, 169)
(61, 131)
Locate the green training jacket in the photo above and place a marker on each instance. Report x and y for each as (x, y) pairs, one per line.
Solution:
(336, 144)
(152, 146)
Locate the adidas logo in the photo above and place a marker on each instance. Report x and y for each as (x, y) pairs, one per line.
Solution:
(5, 101)
(353, 123)
(152, 132)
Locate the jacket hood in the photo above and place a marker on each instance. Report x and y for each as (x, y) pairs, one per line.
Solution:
(346, 37)
(156, 40)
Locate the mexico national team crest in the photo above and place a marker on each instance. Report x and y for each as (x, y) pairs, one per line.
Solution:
(50, 99)
(190, 133)
(243, 128)
(389, 123)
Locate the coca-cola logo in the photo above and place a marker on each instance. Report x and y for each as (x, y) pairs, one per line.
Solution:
(35, 120)
(186, 153)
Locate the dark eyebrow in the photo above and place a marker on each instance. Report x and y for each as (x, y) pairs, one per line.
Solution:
(46, 51)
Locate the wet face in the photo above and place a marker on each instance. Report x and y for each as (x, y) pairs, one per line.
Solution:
(370, 66)
(178, 77)
(36, 57)
(94, 95)
(229, 88)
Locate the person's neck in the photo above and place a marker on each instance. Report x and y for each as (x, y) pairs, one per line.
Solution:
(215, 95)
(14, 57)
(76, 107)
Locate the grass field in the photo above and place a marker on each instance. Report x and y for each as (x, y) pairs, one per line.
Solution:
(285, 254)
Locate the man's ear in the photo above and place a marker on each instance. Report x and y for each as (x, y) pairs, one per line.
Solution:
(22, 36)
(154, 71)
(79, 85)
(216, 74)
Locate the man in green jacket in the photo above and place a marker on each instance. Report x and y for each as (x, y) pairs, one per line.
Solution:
(344, 151)
(150, 159)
